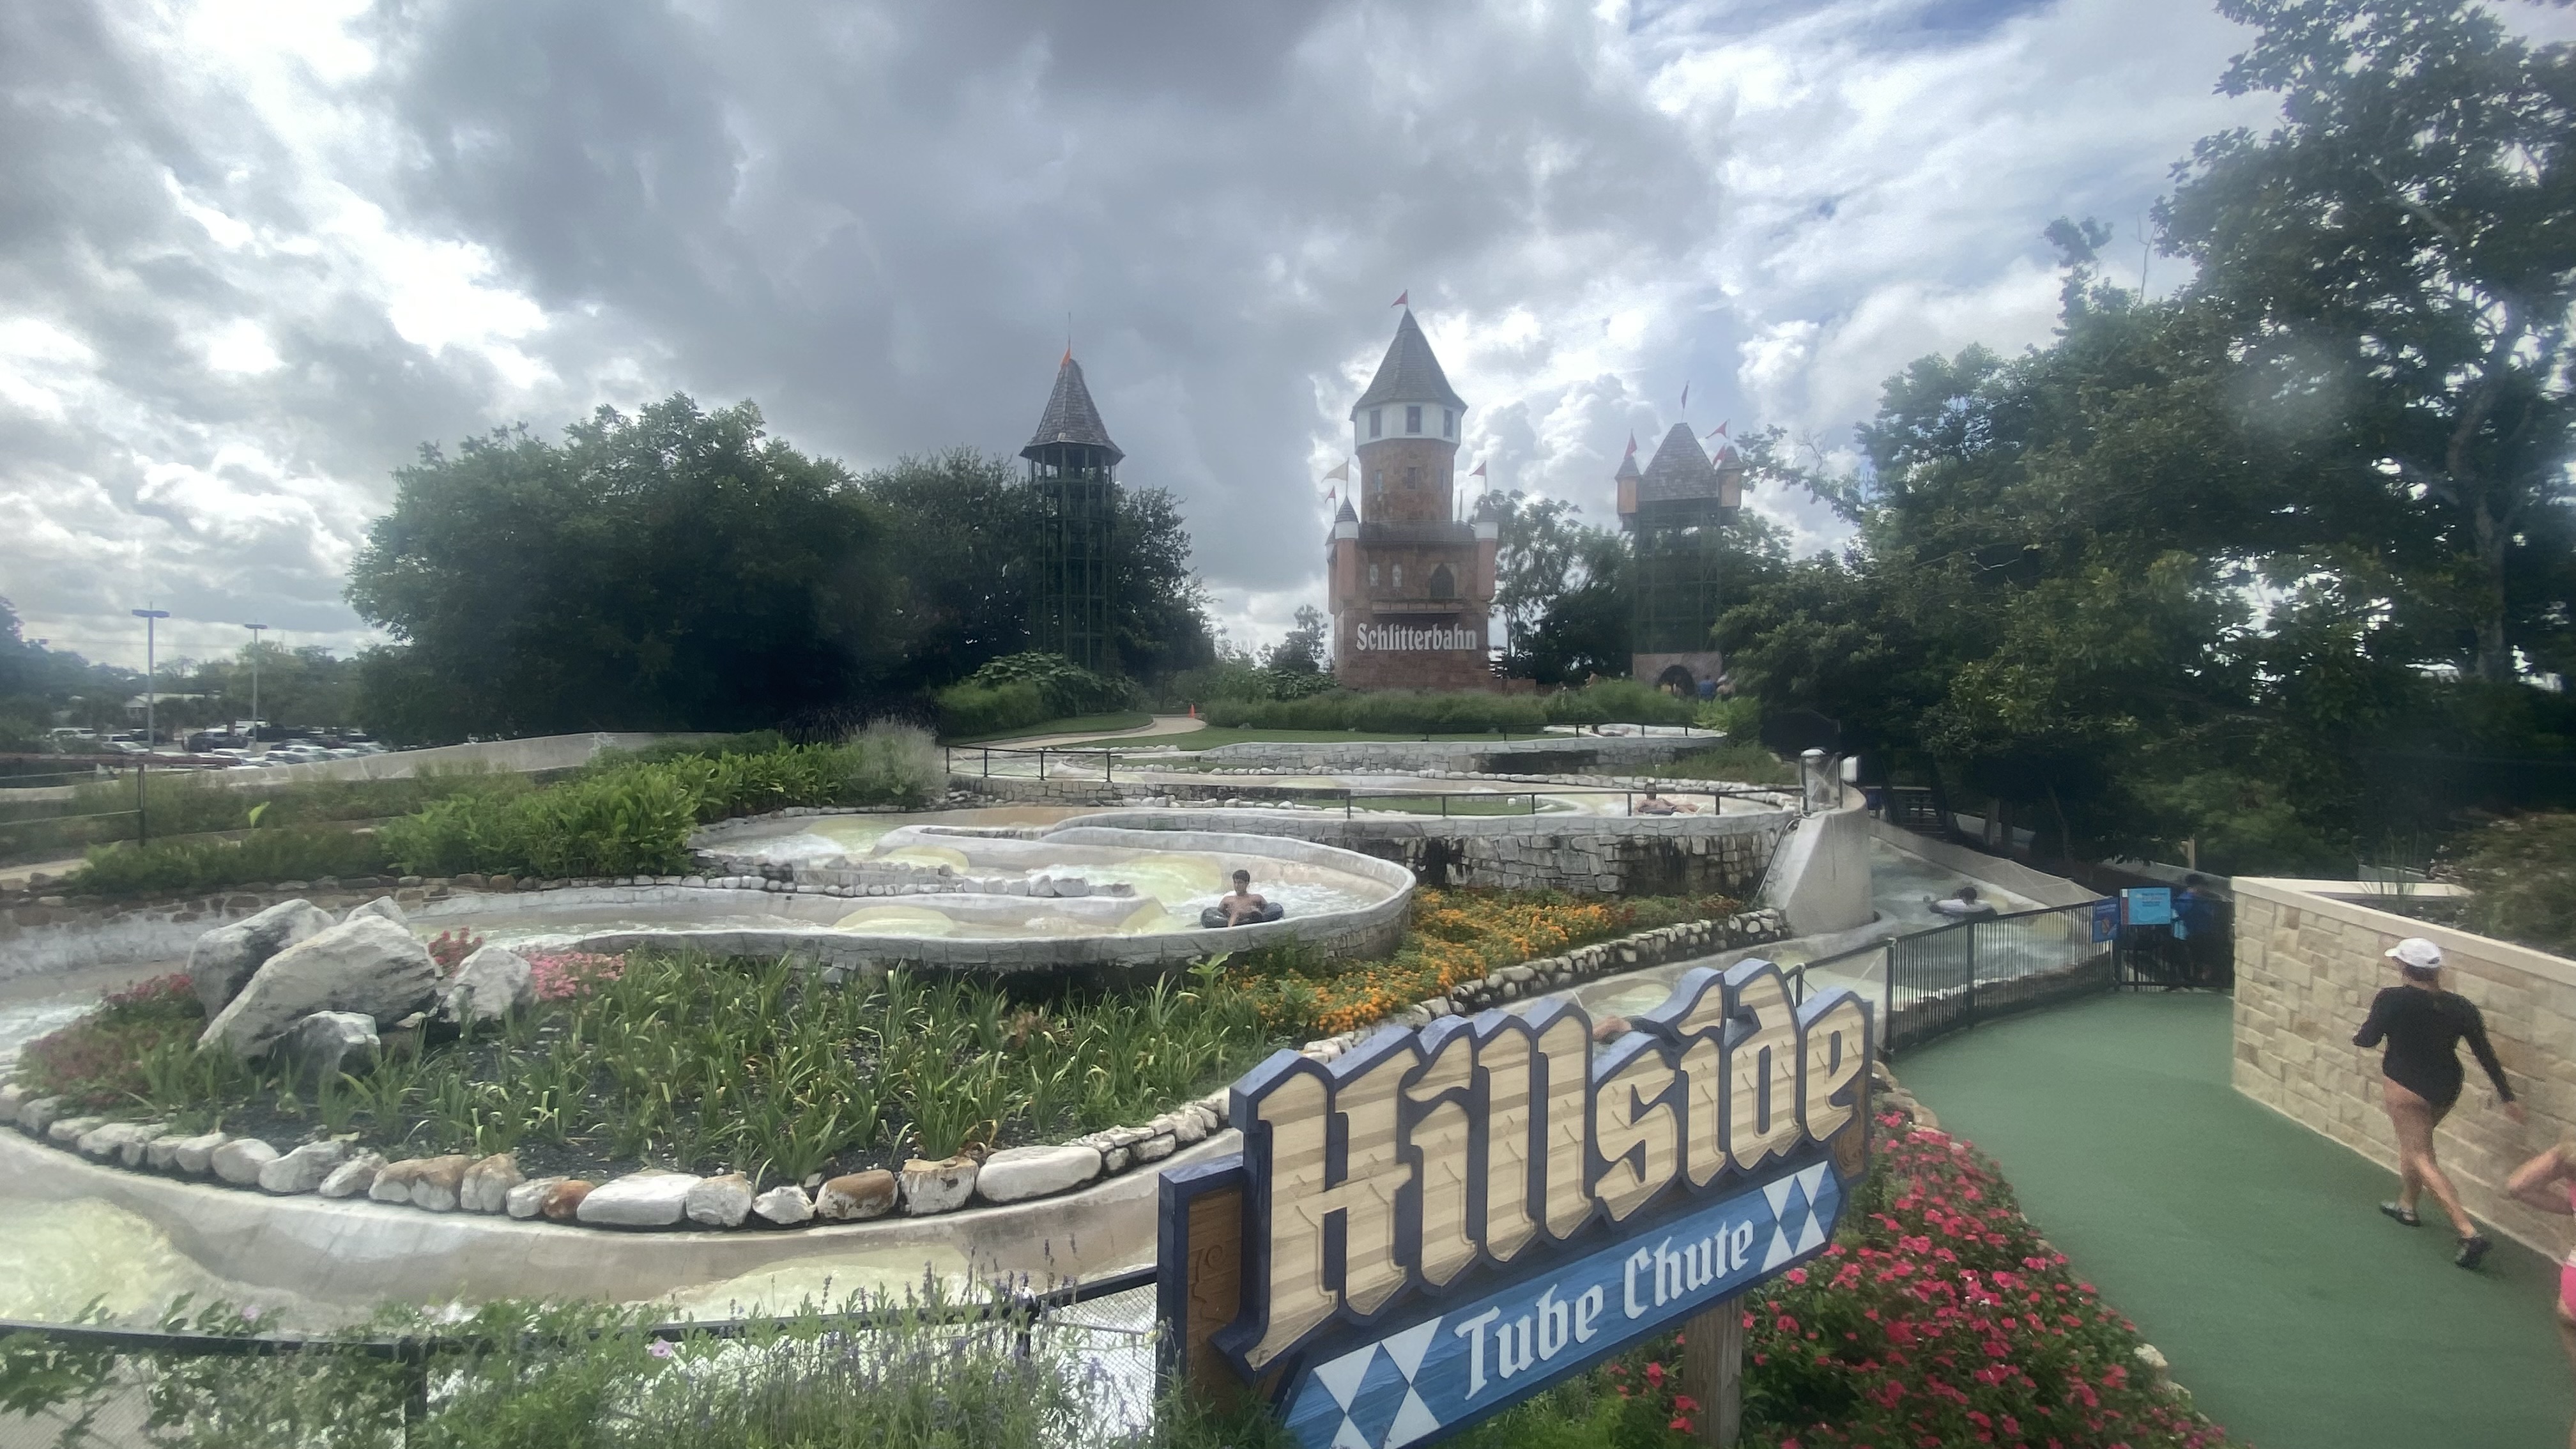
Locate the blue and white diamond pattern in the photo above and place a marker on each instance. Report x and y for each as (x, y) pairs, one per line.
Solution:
(1373, 1388)
(1793, 1211)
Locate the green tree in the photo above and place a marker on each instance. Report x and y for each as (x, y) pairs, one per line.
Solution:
(1302, 652)
(674, 569)
(2396, 263)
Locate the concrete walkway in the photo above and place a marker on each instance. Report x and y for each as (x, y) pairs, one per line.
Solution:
(1163, 724)
(2244, 1246)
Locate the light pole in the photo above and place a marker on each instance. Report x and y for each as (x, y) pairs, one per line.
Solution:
(254, 679)
(149, 618)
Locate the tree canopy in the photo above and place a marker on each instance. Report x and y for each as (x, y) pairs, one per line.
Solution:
(682, 569)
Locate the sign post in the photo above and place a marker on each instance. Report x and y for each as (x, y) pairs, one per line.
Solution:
(1440, 1223)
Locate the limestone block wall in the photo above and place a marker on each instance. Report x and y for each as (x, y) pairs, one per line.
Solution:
(2307, 964)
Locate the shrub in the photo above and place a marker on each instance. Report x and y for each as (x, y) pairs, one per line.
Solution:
(1019, 690)
(186, 867)
(634, 819)
(2522, 875)
(97, 1061)
(968, 710)
(1619, 701)
(1744, 762)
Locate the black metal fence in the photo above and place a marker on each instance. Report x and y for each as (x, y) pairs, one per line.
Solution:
(94, 1350)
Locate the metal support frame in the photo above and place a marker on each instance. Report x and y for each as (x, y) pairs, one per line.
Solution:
(1076, 496)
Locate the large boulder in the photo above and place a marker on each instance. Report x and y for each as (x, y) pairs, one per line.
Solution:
(487, 1184)
(858, 1196)
(381, 906)
(353, 1177)
(239, 1160)
(719, 1202)
(489, 985)
(647, 1199)
(225, 958)
(368, 965)
(328, 1043)
(937, 1187)
(1015, 1174)
(306, 1168)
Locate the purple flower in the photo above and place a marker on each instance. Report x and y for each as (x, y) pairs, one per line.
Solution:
(661, 1348)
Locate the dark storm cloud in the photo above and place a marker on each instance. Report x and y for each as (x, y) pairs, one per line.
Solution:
(875, 222)
(254, 252)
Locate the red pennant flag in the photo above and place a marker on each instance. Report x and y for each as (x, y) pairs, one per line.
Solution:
(1632, 447)
(1403, 298)
(1720, 431)
(1068, 355)
(1479, 473)
(1332, 496)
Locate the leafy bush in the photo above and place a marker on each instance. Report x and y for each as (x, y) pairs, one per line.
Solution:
(968, 710)
(2522, 873)
(194, 802)
(634, 819)
(1619, 701)
(97, 1061)
(1738, 717)
(1450, 712)
(186, 867)
(1744, 762)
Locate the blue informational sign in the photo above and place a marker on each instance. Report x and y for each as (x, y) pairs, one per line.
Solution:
(2149, 905)
(1439, 1223)
(2106, 920)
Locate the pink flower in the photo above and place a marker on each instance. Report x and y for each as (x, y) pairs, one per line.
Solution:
(661, 1348)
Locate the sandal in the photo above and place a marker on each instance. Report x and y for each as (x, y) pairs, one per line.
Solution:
(2399, 1214)
(2473, 1250)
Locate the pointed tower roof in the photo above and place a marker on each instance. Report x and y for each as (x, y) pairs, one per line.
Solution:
(1678, 470)
(1627, 469)
(1070, 416)
(1348, 513)
(1410, 373)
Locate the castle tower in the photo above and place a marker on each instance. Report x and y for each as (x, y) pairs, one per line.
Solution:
(1073, 472)
(1410, 586)
(1674, 512)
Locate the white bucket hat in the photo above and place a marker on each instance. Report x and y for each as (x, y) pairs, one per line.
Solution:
(2415, 951)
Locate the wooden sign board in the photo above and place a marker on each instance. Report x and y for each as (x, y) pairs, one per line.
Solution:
(1442, 1222)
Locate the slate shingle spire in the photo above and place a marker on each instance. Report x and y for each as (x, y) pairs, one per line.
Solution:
(1070, 416)
(1410, 373)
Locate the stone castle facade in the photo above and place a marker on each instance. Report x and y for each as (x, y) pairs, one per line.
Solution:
(1410, 585)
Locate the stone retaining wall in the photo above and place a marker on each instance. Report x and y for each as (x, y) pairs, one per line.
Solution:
(2308, 963)
(1589, 754)
(1585, 855)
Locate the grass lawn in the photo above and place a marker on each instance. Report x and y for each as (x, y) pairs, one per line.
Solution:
(1071, 724)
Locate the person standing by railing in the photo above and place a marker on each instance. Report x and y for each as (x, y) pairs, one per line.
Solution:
(2421, 1078)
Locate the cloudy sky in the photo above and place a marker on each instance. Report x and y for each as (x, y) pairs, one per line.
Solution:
(253, 254)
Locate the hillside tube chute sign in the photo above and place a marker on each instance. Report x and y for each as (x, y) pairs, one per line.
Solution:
(1441, 1222)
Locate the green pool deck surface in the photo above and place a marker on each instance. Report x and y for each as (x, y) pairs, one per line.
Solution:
(2245, 1247)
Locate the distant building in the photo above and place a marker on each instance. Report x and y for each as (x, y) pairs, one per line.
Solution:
(1410, 586)
(1674, 512)
(1073, 470)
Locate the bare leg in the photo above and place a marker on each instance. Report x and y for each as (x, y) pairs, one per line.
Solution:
(2413, 1118)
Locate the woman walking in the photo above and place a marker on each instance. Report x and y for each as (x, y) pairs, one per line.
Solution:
(2421, 1077)
(2548, 1182)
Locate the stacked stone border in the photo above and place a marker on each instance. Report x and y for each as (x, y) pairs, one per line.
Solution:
(654, 1199)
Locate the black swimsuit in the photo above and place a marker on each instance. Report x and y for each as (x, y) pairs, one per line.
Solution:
(2423, 1029)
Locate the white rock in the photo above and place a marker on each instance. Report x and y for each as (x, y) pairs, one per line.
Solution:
(646, 1199)
(240, 1160)
(305, 1168)
(70, 1130)
(1018, 1173)
(381, 906)
(353, 1177)
(368, 965)
(110, 1140)
(36, 1114)
(524, 1200)
(937, 1187)
(487, 1184)
(491, 983)
(12, 1097)
(719, 1202)
(196, 1154)
(328, 1043)
(785, 1205)
(138, 1143)
(225, 958)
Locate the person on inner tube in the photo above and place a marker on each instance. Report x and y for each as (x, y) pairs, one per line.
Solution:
(1243, 906)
